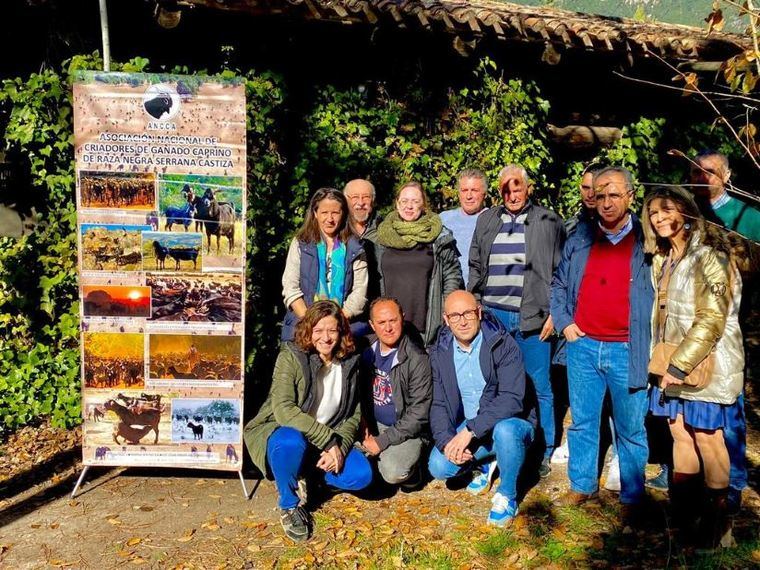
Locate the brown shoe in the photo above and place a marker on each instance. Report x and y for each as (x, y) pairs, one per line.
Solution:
(575, 499)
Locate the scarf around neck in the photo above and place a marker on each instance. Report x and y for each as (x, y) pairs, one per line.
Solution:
(335, 266)
(396, 233)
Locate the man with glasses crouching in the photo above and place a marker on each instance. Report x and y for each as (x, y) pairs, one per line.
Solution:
(483, 414)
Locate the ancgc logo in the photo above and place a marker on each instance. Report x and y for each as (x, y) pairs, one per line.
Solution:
(161, 101)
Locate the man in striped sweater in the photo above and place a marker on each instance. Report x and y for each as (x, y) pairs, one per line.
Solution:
(514, 252)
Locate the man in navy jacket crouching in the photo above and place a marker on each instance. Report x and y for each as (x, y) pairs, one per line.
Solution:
(483, 413)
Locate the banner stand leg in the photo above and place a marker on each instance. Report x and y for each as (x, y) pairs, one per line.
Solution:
(242, 482)
(79, 481)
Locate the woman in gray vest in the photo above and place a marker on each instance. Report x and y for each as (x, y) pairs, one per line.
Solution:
(417, 260)
(325, 262)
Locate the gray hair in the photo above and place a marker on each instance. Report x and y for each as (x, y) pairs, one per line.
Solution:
(473, 173)
(367, 182)
(624, 172)
(514, 168)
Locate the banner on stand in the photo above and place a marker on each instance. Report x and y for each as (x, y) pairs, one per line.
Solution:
(161, 202)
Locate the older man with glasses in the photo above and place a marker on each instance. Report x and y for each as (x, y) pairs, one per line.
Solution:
(602, 302)
(483, 413)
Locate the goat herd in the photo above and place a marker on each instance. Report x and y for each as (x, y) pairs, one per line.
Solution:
(109, 192)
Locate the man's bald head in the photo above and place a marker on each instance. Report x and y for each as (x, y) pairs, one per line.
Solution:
(462, 315)
(458, 297)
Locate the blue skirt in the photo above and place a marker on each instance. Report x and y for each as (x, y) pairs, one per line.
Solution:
(698, 415)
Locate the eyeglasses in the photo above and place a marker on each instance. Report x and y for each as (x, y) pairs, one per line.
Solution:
(410, 202)
(469, 315)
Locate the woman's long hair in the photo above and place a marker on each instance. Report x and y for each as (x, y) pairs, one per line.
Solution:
(318, 311)
(711, 235)
(309, 232)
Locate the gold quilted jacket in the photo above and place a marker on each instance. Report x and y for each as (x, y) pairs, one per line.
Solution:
(703, 307)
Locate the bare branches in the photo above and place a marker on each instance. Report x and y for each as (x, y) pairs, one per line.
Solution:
(693, 87)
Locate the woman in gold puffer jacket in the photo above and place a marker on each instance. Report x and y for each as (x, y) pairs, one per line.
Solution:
(698, 298)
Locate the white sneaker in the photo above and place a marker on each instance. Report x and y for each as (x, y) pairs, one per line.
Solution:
(612, 483)
(482, 480)
(503, 510)
(561, 454)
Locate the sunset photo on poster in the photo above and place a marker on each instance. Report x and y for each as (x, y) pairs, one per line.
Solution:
(114, 360)
(164, 251)
(216, 297)
(123, 191)
(114, 301)
(114, 247)
(195, 357)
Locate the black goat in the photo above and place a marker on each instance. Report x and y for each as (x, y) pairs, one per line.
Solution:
(197, 430)
(160, 251)
(219, 220)
(184, 254)
(158, 106)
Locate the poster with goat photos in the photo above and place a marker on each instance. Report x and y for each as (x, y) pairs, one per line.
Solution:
(161, 166)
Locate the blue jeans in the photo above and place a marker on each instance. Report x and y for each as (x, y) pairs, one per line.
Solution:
(509, 442)
(286, 450)
(593, 367)
(735, 435)
(537, 358)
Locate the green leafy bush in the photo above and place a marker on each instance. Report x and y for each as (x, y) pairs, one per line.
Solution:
(342, 133)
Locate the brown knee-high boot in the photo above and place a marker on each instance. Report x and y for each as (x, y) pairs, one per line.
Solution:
(685, 495)
(715, 526)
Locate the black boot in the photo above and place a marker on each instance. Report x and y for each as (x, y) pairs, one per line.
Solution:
(685, 495)
(715, 526)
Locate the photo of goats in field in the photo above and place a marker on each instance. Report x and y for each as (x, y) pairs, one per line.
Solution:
(183, 297)
(128, 418)
(195, 357)
(215, 205)
(125, 191)
(207, 421)
(165, 251)
(112, 247)
(114, 360)
(115, 301)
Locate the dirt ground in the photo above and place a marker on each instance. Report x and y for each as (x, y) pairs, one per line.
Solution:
(141, 518)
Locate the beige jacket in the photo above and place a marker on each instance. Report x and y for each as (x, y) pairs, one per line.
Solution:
(703, 307)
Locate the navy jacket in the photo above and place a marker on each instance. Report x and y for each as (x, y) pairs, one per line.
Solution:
(567, 283)
(309, 278)
(507, 393)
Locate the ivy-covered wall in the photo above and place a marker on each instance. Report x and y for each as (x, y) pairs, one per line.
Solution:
(297, 142)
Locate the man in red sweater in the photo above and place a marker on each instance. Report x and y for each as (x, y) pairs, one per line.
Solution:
(602, 302)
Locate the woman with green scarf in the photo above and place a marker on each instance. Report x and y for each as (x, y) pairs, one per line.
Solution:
(417, 260)
(325, 262)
